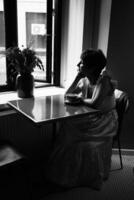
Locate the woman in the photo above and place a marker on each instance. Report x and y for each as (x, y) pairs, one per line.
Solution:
(82, 152)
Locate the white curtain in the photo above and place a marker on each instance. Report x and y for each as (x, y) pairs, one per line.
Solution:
(72, 38)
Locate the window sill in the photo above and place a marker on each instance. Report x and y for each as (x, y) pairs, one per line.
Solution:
(8, 96)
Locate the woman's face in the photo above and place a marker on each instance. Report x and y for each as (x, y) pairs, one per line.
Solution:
(86, 70)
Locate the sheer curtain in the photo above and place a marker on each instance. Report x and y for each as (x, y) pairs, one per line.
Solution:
(72, 37)
(2, 46)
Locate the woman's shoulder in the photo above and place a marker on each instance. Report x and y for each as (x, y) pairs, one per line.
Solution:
(107, 83)
(84, 82)
(105, 74)
(104, 77)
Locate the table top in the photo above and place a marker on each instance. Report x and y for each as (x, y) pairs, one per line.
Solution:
(48, 108)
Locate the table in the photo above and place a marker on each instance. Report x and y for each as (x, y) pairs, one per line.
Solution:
(41, 110)
(48, 109)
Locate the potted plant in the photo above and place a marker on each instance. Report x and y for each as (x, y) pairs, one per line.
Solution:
(21, 64)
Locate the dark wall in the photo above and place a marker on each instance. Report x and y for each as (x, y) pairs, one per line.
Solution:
(121, 59)
(91, 24)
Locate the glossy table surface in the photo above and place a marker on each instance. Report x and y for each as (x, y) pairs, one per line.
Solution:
(48, 108)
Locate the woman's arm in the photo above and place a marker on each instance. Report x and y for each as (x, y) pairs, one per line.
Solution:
(95, 97)
(99, 93)
(74, 88)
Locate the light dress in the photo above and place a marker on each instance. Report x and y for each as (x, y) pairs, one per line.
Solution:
(83, 147)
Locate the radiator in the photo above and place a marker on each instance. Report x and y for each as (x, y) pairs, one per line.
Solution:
(25, 135)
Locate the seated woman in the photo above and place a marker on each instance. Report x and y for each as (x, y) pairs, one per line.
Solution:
(83, 147)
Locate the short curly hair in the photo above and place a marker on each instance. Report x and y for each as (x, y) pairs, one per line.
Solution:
(94, 58)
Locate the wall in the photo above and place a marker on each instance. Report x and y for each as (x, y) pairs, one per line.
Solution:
(104, 23)
(121, 59)
(96, 24)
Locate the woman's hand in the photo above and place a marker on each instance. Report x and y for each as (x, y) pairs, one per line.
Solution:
(74, 88)
(80, 75)
(87, 102)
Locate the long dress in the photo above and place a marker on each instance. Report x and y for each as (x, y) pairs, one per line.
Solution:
(83, 147)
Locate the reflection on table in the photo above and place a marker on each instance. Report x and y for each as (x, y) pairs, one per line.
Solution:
(48, 108)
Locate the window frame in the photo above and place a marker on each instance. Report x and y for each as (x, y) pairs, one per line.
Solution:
(57, 43)
(11, 39)
(10, 15)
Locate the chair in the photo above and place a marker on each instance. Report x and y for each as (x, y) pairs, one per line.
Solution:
(14, 173)
(8, 153)
(122, 105)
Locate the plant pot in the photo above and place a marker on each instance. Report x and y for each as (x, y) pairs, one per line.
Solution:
(25, 85)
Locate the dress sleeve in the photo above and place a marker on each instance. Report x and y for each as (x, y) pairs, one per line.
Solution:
(107, 83)
(78, 87)
(102, 89)
(85, 88)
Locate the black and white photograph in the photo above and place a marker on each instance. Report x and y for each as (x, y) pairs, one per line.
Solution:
(66, 99)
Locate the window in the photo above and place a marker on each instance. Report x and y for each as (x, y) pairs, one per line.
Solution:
(32, 31)
(31, 23)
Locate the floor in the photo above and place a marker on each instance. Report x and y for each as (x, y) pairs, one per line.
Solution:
(119, 186)
(24, 181)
